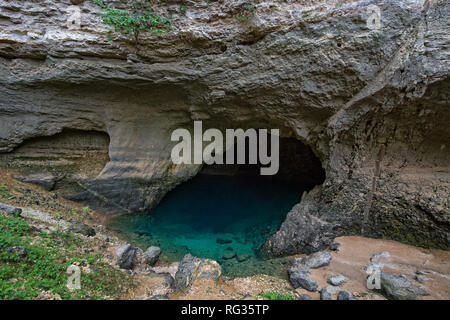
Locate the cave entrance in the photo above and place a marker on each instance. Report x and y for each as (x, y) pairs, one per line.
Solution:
(227, 212)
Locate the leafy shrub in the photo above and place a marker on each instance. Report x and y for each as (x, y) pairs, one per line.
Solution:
(132, 22)
(275, 295)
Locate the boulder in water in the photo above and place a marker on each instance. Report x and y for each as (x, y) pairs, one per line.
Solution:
(223, 241)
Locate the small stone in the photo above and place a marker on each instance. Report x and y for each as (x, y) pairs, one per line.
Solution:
(380, 255)
(422, 272)
(337, 280)
(344, 295)
(151, 255)
(327, 292)
(305, 296)
(335, 246)
(229, 255)
(243, 257)
(421, 279)
(223, 241)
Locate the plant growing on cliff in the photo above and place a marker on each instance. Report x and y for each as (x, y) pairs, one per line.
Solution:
(132, 22)
(247, 11)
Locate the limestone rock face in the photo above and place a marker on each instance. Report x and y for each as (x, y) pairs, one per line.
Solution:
(371, 103)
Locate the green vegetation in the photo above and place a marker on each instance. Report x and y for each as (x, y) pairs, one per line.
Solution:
(247, 12)
(74, 212)
(43, 265)
(4, 192)
(275, 295)
(132, 22)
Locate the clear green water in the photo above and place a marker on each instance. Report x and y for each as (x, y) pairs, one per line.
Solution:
(191, 219)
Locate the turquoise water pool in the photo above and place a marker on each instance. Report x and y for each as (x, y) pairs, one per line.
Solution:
(216, 217)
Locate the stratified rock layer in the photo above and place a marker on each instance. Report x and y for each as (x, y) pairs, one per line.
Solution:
(371, 103)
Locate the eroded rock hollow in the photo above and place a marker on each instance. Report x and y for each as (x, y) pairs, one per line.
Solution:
(372, 104)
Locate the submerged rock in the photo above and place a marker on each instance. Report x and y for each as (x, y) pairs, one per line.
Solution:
(126, 256)
(229, 255)
(151, 255)
(223, 241)
(242, 257)
(399, 287)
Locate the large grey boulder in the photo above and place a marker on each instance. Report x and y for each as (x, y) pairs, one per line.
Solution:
(151, 255)
(300, 279)
(316, 260)
(192, 269)
(399, 287)
(326, 293)
(126, 256)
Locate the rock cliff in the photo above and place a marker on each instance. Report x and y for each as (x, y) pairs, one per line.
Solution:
(372, 104)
